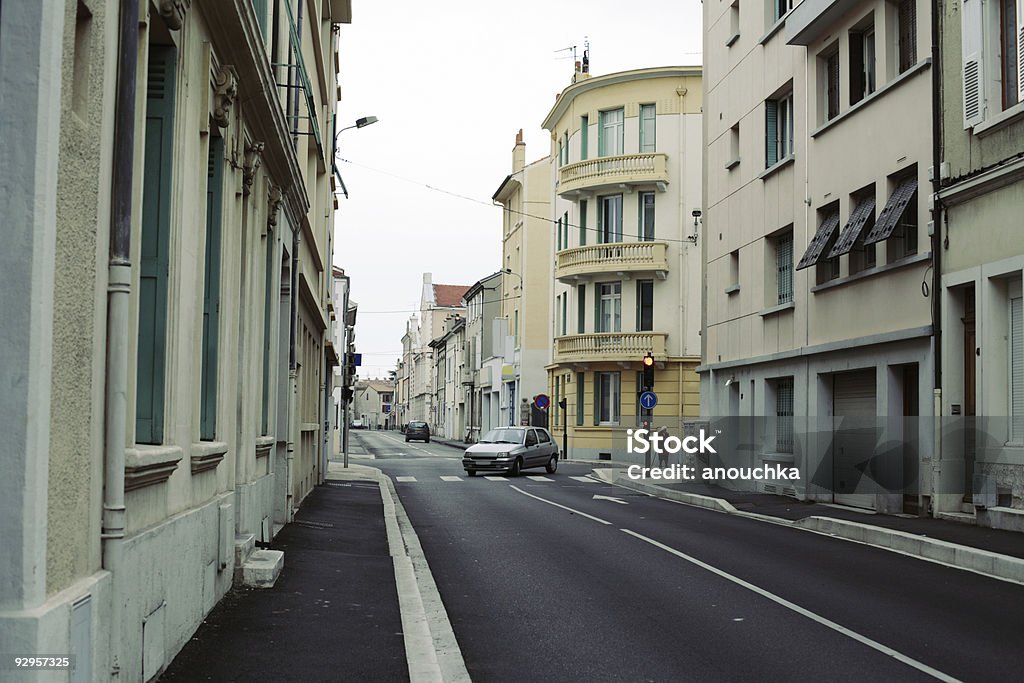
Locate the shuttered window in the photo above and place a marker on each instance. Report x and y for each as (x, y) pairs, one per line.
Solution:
(647, 128)
(823, 238)
(784, 415)
(579, 397)
(581, 309)
(832, 86)
(646, 219)
(644, 305)
(784, 267)
(1017, 369)
(154, 262)
(584, 136)
(1011, 36)
(972, 46)
(771, 133)
(907, 37)
(583, 222)
(211, 291)
(608, 398)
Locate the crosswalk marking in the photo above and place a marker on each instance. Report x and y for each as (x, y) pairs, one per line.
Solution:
(450, 478)
(537, 478)
(405, 478)
(493, 478)
(585, 480)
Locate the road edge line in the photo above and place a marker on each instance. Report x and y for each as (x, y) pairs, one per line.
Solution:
(432, 651)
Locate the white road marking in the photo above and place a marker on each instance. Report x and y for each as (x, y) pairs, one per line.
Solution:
(873, 644)
(537, 477)
(559, 505)
(494, 478)
(611, 498)
(585, 480)
(405, 478)
(450, 478)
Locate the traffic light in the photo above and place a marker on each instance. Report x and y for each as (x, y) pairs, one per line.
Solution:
(648, 372)
(563, 403)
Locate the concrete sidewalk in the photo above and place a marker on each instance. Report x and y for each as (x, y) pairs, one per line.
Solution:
(333, 613)
(993, 552)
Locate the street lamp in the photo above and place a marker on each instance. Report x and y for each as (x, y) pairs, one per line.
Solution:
(508, 271)
(360, 123)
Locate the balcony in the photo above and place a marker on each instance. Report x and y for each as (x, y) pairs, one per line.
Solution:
(613, 257)
(624, 170)
(609, 347)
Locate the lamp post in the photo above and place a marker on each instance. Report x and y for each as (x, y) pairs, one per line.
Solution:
(362, 122)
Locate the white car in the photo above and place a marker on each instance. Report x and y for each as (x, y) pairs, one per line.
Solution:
(511, 450)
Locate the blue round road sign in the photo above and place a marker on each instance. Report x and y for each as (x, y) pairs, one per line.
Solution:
(541, 401)
(648, 400)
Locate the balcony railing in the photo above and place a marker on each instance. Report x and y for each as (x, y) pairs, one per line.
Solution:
(609, 346)
(604, 171)
(613, 257)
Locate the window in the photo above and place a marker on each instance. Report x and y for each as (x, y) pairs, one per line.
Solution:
(647, 125)
(734, 24)
(777, 9)
(579, 397)
(583, 222)
(783, 414)
(531, 437)
(778, 124)
(565, 230)
(610, 135)
(862, 61)
(644, 305)
(565, 304)
(155, 246)
(609, 219)
(584, 136)
(734, 265)
(581, 309)
(607, 398)
(211, 291)
(560, 151)
(609, 307)
(558, 235)
(828, 77)
(734, 147)
(906, 38)
(784, 267)
(565, 146)
(992, 43)
(646, 221)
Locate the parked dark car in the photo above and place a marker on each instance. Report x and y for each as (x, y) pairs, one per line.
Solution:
(417, 430)
(512, 449)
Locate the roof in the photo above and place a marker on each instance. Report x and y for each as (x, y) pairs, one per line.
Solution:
(449, 296)
(480, 285)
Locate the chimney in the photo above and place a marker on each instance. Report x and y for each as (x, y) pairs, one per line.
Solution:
(519, 153)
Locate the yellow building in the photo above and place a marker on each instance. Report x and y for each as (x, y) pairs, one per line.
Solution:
(625, 179)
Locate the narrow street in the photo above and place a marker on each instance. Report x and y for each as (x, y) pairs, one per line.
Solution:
(558, 577)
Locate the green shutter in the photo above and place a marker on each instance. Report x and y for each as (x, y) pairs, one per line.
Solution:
(581, 310)
(154, 261)
(260, 8)
(583, 222)
(267, 311)
(597, 398)
(565, 302)
(600, 220)
(211, 290)
(580, 377)
(584, 135)
(771, 133)
(597, 307)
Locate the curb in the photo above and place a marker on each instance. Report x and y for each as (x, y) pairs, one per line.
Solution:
(960, 556)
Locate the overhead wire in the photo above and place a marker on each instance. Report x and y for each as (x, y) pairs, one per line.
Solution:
(553, 221)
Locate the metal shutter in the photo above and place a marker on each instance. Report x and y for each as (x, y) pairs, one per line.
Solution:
(853, 394)
(858, 219)
(893, 211)
(821, 238)
(1017, 369)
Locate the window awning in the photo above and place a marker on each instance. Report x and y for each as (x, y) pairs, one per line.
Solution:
(820, 241)
(858, 219)
(893, 211)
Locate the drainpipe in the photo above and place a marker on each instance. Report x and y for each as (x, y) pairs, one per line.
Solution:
(937, 246)
(119, 277)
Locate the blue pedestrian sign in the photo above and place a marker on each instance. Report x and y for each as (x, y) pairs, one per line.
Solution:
(648, 400)
(541, 401)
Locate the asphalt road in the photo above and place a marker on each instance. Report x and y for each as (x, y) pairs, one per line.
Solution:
(548, 579)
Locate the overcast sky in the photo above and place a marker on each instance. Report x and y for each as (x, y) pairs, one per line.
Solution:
(451, 82)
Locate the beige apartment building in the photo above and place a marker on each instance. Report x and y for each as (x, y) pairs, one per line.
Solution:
(168, 217)
(524, 196)
(817, 310)
(982, 256)
(625, 184)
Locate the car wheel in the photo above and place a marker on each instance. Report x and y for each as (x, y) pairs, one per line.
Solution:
(426, 440)
(517, 466)
(407, 439)
(471, 473)
(552, 464)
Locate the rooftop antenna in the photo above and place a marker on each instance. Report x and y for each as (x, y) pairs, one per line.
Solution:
(571, 48)
(586, 54)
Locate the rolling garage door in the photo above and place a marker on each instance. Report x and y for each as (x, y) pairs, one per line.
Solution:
(854, 407)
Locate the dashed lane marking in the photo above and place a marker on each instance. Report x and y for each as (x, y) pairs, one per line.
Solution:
(405, 478)
(585, 480)
(450, 478)
(493, 478)
(537, 478)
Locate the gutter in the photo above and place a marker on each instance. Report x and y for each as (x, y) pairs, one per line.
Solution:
(119, 278)
(937, 247)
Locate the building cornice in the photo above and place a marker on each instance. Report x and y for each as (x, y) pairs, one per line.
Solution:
(596, 82)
